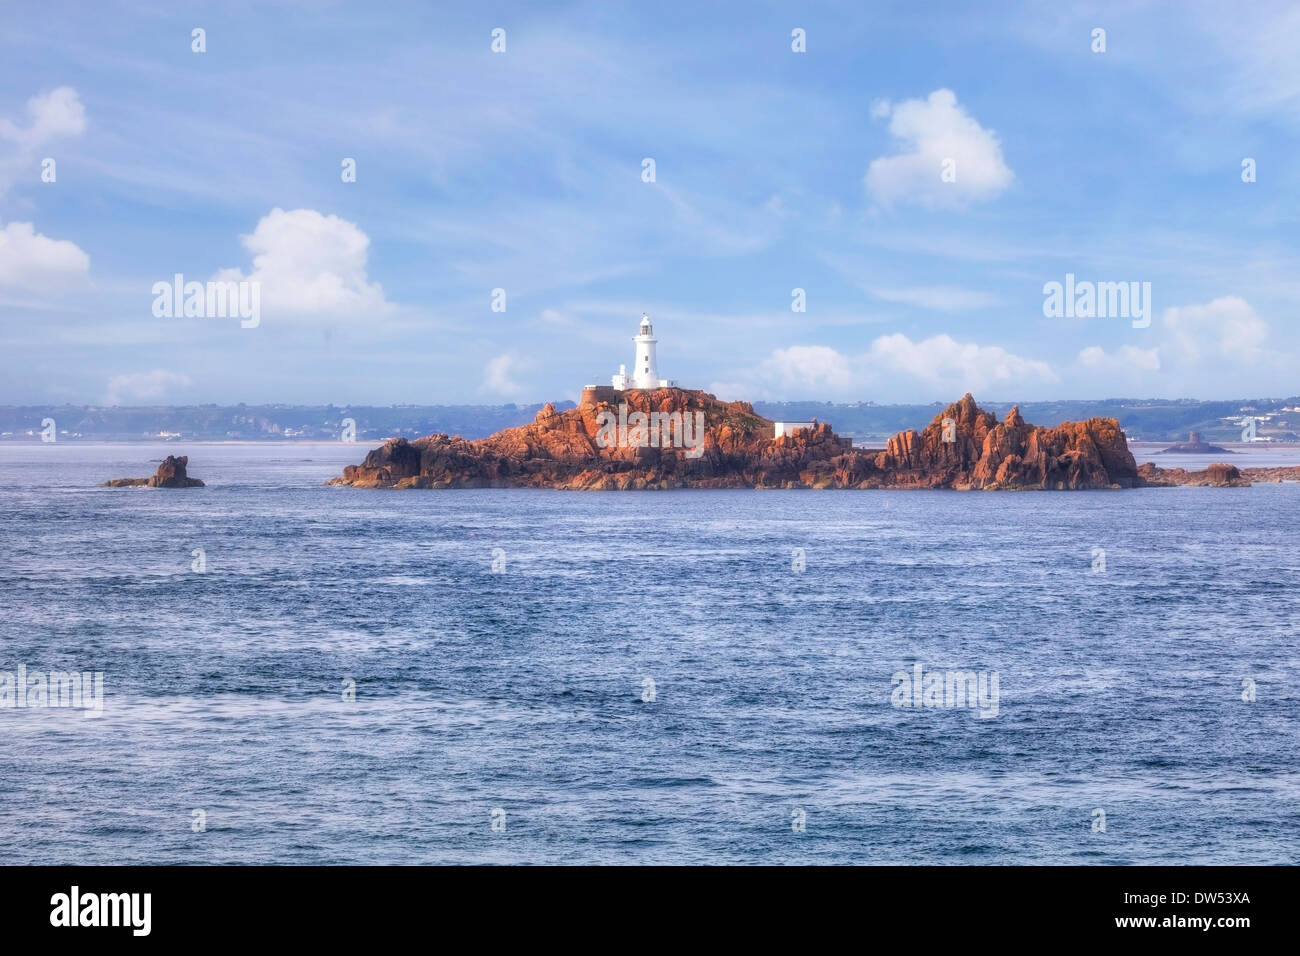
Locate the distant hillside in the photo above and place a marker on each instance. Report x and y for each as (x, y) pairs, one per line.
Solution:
(1142, 420)
(260, 422)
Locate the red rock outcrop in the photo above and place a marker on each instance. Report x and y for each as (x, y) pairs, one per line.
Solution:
(1218, 475)
(963, 447)
(1277, 474)
(170, 474)
(1224, 476)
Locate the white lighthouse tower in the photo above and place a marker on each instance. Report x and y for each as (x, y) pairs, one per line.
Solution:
(645, 373)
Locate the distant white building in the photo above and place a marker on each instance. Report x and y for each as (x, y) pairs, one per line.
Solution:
(789, 428)
(645, 371)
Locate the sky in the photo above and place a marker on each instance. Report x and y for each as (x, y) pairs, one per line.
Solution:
(921, 173)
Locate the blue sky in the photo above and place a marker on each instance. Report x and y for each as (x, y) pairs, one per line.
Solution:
(522, 170)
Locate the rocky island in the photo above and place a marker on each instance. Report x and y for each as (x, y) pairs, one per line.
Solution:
(643, 432)
(1218, 475)
(170, 474)
(1196, 446)
(646, 439)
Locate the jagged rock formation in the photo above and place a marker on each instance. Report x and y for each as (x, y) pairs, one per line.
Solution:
(1195, 446)
(599, 446)
(170, 474)
(1218, 475)
(983, 453)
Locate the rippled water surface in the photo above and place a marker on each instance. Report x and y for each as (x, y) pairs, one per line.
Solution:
(523, 690)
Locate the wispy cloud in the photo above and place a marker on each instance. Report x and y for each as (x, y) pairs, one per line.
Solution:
(939, 298)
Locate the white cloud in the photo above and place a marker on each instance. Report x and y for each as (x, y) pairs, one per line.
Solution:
(51, 115)
(930, 132)
(54, 114)
(144, 386)
(801, 367)
(29, 260)
(949, 364)
(500, 377)
(1226, 328)
(310, 265)
(943, 367)
(1127, 357)
(1226, 333)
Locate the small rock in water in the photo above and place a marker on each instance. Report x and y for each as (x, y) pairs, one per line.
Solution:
(170, 474)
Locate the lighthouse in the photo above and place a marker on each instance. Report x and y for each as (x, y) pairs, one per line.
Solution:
(645, 369)
(645, 373)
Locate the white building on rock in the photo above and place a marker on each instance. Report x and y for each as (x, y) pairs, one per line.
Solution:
(645, 371)
(782, 429)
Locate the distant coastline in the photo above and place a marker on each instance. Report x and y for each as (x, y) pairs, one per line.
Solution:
(1143, 420)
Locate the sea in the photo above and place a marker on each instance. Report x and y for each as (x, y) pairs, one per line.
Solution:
(300, 674)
